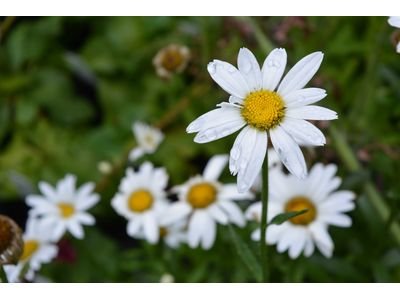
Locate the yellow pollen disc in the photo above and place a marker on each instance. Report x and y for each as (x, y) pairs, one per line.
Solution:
(172, 59)
(299, 204)
(163, 232)
(140, 201)
(5, 235)
(29, 248)
(202, 195)
(67, 210)
(149, 140)
(263, 109)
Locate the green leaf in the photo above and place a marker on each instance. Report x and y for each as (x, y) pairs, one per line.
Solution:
(279, 219)
(246, 255)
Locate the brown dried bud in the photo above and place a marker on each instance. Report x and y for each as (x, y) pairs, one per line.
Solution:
(171, 59)
(11, 244)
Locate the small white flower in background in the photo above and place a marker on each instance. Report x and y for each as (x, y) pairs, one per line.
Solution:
(148, 139)
(105, 167)
(64, 208)
(38, 250)
(254, 104)
(315, 193)
(167, 278)
(395, 22)
(141, 199)
(206, 201)
(172, 235)
(171, 59)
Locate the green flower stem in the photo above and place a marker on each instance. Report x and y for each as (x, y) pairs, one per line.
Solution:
(353, 165)
(261, 37)
(3, 276)
(263, 245)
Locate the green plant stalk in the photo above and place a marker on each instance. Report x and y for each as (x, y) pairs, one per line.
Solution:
(261, 37)
(353, 165)
(3, 276)
(264, 197)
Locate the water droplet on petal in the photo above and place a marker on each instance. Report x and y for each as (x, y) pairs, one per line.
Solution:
(226, 131)
(274, 63)
(232, 69)
(211, 134)
(246, 68)
(309, 136)
(235, 152)
(243, 163)
(220, 66)
(300, 98)
(211, 68)
(322, 118)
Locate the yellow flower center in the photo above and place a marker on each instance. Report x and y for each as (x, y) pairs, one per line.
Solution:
(202, 195)
(5, 235)
(67, 210)
(299, 204)
(29, 248)
(263, 109)
(140, 200)
(172, 59)
(149, 140)
(163, 232)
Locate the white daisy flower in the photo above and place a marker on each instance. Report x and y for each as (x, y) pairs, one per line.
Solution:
(173, 235)
(64, 208)
(206, 201)
(141, 199)
(395, 22)
(148, 139)
(254, 104)
(315, 193)
(38, 250)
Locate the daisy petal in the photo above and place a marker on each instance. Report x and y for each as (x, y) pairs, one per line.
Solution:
(298, 243)
(196, 227)
(76, 229)
(217, 214)
(253, 212)
(275, 232)
(394, 21)
(134, 226)
(85, 218)
(230, 192)
(289, 152)
(47, 190)
(326, 251)
(300, 74)
(209, 233)
(304, 97)
(287, 238)
(88, 202)
(273, 68)
(228, 78)
(256, 235)
(135, 153)
(58, 231)
(250, 69)
(85, 189)
(175, 212)
(312, 112)
(234, 213)
(304, 131)
(66, 186)
(309, 248)
(150, 227)
(215, 166)
(320, 234)
(339, 220)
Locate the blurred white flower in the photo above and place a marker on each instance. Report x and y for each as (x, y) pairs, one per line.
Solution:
(148, 139)
(64, 208)
(105, 167)
(253, 102)
(395, 22)
(207, 201)
(167, 278)
(38, 250)
(171, 59)
(315, 193)
(141, 199)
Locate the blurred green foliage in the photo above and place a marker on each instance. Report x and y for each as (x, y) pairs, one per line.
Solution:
(71, 87)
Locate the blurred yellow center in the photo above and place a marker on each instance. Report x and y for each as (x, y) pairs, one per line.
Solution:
(140, 200)
(5, 235)
(202, 195)
(149, 140)
(67, 210)
(299, 204)
(172, 59)
(163, 232)
(263, 109)
(29, 248)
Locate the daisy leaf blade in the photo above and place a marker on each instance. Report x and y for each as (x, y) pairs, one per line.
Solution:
(246, 255)
(279, 219)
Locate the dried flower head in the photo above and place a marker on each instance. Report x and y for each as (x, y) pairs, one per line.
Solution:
(11, 245)
(171, 59)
